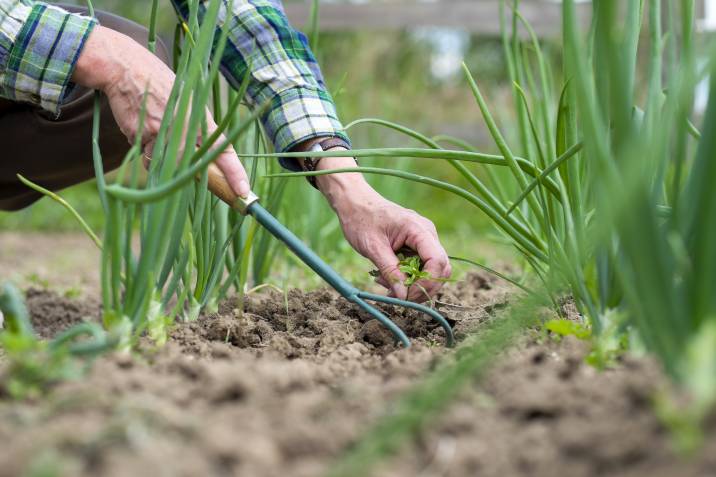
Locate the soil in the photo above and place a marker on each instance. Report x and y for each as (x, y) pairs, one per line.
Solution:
(67, 262)
(285, 386)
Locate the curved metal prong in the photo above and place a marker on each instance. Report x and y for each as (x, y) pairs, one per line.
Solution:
(384, 320)
(449, 337)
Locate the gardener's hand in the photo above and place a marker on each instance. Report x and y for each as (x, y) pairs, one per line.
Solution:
(123, 69)
(376, 228)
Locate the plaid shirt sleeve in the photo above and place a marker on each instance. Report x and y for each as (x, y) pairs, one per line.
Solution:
(39, 47)
(284, 72)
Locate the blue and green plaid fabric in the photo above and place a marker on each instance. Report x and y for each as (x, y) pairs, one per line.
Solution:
(283, 72)
(39, 46)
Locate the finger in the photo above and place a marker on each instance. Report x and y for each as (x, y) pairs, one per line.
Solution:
(234, 172)
(228, 162)
(384, 258)
(418, 293)
(381, 281)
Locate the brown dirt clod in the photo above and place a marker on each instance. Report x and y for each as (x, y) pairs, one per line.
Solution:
(283, 387)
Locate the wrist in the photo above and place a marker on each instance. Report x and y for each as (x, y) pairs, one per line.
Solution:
(99, 65)
(346, 189)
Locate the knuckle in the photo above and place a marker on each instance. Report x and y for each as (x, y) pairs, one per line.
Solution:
(152, 125)
(428, 224)
(441, 266)
(410, 214)
(448, 269)
(388, 270)
(390, 273)
(442, 260)
(422, 224)
(417, 228)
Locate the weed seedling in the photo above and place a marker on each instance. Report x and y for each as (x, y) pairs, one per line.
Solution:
(607, 347)
(34, 364)
(560, 328)
(411, 266)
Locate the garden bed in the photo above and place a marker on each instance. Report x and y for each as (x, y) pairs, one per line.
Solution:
(286, 386)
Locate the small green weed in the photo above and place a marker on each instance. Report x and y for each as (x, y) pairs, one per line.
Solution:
(36, 280)
(72, 293)
(560, 328)
(411, 266)
(607, 347)
(34, 364)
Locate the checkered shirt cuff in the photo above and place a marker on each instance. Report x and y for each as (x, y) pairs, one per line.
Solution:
(43, 57)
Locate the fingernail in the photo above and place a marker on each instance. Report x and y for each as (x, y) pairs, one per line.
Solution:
(244, 189)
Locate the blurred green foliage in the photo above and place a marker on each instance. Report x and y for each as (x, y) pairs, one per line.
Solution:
(46, 214)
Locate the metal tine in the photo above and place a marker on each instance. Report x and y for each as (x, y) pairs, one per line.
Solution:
(384, 320)
(449, 336)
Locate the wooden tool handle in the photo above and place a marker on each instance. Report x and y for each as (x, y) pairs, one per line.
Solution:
(220, 187)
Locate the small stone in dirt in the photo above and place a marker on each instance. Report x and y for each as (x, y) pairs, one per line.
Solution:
(220, 350)
(376, 334)
(229, 391)
(249, 331)
(124, 360)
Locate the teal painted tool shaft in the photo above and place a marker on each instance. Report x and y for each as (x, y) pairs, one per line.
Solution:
(307, 255)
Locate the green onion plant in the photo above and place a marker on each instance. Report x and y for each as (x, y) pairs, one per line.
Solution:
(604, 186)
(629, 230)
(170, 248)
(189, 251)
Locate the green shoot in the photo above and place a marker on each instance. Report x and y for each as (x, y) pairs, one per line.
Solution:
(85, 227)
(563, 327)
(35, 365)
(411, 266)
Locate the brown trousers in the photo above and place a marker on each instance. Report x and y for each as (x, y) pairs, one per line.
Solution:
(57, 153)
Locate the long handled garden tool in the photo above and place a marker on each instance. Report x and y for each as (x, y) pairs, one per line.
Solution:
(251, 206)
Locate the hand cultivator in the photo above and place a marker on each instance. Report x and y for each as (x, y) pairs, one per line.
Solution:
(251, 206)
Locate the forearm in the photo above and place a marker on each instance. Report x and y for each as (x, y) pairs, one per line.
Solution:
(138, 86)
(283, 71)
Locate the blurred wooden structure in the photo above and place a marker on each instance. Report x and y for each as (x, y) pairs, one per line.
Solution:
(475, 16)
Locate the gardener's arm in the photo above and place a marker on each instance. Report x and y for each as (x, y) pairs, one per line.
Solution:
(285, 73)
(44, 50)
(376, 228)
